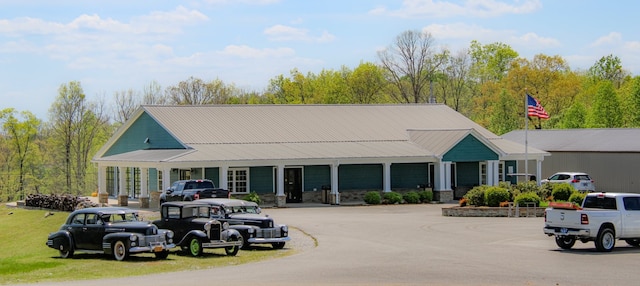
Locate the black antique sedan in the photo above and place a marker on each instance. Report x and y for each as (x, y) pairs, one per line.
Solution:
(245, 216)
(195, 229)
(113, 231)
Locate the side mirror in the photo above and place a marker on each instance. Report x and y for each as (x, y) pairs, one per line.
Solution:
(169, 191)
(258, 210)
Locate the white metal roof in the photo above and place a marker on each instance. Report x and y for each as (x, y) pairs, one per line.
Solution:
(305, 132)
(586, 140)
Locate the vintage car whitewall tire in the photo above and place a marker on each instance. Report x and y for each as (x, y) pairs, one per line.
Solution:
(65, 250)
(120, 250)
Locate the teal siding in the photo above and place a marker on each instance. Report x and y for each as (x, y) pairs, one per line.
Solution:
(512, 179)
(409, 176)
(468, 174)
(316, 176)
(134, 137)
(261, 180)
(360, 177)
(213, 174)
(470, 149)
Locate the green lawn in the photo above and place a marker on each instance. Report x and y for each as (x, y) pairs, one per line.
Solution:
(25, 257)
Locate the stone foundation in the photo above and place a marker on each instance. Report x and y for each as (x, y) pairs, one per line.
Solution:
(443, 196)
(344, 197)
(144, 202)
(154, 200)
(103, 198)
(281, 201)
(123, 200)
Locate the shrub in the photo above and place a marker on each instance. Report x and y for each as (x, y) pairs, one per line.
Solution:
(411, 197)
(562, 192)
(372, 198)
(392, 198)
(577, 198)
(493, 196)
(529, 197)
(475, 196)
(426, 196)
(253, 197)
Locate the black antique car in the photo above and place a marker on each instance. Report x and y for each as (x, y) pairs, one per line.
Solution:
(113, 231)
(245, 217)
(195, 229)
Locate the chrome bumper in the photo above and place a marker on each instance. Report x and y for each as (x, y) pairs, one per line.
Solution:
(268, 240)
(563, 231)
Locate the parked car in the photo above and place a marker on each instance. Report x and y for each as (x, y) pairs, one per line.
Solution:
(191, 190)
(195, 229)
(245, 216)
(579, 181)
(113, 231)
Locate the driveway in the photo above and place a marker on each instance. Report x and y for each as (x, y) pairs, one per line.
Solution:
(412, 245)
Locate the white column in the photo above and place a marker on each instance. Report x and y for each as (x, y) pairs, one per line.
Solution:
(438, 174)
(538, 171)
(280, 177)
(447, 175)
(387, 177)
(166, 179)
(144, 182)
(334, 183)
(102, 179)
(224, 177)
(122, 187)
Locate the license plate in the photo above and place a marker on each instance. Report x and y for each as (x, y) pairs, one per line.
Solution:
(158, 248)
(564, 230)
(585, 184)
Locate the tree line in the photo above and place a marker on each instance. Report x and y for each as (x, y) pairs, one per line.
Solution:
(485, 82)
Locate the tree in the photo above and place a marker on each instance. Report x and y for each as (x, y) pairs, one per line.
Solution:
(127, 101)
(608, 68)
(21, 135)
(366, 82)
(606, 111)
(455, 81)
(504, 117)
(195, 91)
(490, 62)
(574, 117)
(76, 125)
(410, 64)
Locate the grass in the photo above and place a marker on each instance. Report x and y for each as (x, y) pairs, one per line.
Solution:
(25, 257)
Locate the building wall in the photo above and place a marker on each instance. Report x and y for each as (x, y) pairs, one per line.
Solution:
(261, 180)
(360, 177)
(470, 149)
(316, 176)
(134, 137)
(409, 176)
(611, 172)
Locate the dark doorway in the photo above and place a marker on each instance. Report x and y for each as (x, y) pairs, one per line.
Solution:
(293, 184)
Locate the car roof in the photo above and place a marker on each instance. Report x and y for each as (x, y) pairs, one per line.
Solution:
(571, 173)
(228, 202)
(184, 203)
(106, 210)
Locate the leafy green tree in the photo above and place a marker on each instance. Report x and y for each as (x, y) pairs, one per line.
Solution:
(574, 117)
(490, 62)
(608, 68)
(21, 135)
(606, 112)
(366, 82)
(634, 110)
(504, 117)
(76, 127)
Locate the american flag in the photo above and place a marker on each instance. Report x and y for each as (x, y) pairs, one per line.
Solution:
(535, 109)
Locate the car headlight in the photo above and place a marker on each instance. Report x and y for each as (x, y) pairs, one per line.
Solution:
(207, 227)
(225, 225)
(285, 228)
(170, 234)
(251, 230)
(133, 237)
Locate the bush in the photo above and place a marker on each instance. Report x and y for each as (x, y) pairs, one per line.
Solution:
(562, 192)
(392, 198)
(493, 196)
(411, 197)
(372, 198)
(253, 197)
(475, 196)
(577, 198)
(426, 196)
(529, 197)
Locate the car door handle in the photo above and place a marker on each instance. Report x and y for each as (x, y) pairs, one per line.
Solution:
(84, 229)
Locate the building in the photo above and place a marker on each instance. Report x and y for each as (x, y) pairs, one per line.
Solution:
(294, 152)
(611, 156)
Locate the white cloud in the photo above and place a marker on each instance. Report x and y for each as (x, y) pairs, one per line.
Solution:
(469, 8)
(249, 52)
(282, 33)
(533, 39)
(610, 39)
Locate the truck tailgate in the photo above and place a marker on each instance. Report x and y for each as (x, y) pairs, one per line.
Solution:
(563, 218)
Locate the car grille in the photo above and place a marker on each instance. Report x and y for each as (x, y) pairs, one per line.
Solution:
(268, 233)
(152, 239)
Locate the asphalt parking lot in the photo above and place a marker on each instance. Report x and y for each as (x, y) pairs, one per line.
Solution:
(412, 245)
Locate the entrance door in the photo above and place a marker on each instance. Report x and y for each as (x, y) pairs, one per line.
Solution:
(293, 184)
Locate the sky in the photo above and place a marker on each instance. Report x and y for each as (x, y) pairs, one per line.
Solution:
(117, 45)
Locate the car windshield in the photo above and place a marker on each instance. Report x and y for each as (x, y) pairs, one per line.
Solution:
(242, 209)
(122, 217)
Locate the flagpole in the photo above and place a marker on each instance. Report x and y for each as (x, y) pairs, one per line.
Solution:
(526, 131)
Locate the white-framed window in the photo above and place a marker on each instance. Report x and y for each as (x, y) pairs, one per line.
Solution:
(483, 172)
(238, 180)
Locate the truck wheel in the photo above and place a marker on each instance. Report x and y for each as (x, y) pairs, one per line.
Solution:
(565, 242)
(633, 241)
(606, 240)
(162, 254)
(195, 247)
(120, 251)
(278, 245)
(233, 250)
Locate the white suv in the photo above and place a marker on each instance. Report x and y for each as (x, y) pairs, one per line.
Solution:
(579, 181)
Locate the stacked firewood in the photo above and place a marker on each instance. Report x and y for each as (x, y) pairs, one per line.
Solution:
(58, 202)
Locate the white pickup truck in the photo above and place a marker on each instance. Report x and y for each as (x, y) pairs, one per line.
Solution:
(603, 218)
